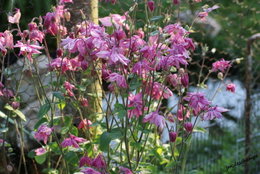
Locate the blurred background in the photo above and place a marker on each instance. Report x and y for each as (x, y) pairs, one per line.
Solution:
(230, 33)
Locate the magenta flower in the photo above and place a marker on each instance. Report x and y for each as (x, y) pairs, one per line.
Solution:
(99, 162)
(69, 87)
(181, 111)
(231, 87)
(137, 103)
(113, 20)
(176, 2)
(158, 91)
(84, 124)
(15, 104)
(172, 136)
(43, 133)
(114, 56)
(220, 65)
(62, 63)
(40, 151)
(188, 126)
(185, 80)
(72, 141)
(89, 170)
(213, 112)
(197, 101)
(118, 79)
(85, 160)
(28, 49)
(6, 41)
(155, 118)
(142, 68)
(151, 5)
(173, 79)
(66, 1)
(124, 170)
(16, 18)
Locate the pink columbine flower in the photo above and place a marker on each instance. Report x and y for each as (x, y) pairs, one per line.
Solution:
(16, 18)
(118, 79)
(151, 5)
(72, 141)
(197, 1)
(113, 20)
(43, 133)
(155, 118)
(85, 160)
(142, 68)
(83, 102)
(185, 80)
(136, 102)
(114, 56)
(28, 49)
(84, 124)
(158, 91)
(6, 41)
(220, 65)
(214, 112)
(188, 126)
(89, 170)
(197, 101)
(124, 170)
(176, 2)
(181, 111)
(204, 14)
(7, 93)
(231, 87)
(40, 151)
(172, 136)
(69, 87)
(99, 162)
(66, 1)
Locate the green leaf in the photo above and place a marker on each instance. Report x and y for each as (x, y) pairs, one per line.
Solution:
(64, 130)
(156, 18)
(107, 137)
(120, 110)
(58, 95)
(40, 159)
(2, 115)
(74, 130)
(44, 110)
(71, 157)
(199, 129)
(16, 111)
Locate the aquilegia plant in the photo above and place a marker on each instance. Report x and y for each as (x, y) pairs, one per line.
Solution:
(140, 68)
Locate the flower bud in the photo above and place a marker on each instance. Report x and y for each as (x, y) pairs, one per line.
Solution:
(176, 2)
(67, 16)
(231, 87)
(151, 5)
(59, 52)
(15, 105)
(220, 75)
(188, 126)
(172, 136)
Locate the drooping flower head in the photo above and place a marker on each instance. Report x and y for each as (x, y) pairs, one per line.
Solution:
(27, 49)
(172, 136)
(124, 170)
(40, 151)
(85, 160)
(72, 141)
(118, 79)
(88, 170)
(84, 124)
(213, 112)
(99, 162)
(15, 19)
(43, 133)
(221, 65)
(231, 87)
(136, 102)
(197, 101)
(188, 126)
(155, 118)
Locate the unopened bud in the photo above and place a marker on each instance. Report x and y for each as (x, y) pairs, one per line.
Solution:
(67, 16)
(151, 5)
(172, 136)
(220, 75)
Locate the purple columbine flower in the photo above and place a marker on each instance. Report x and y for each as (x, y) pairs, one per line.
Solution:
(214, 112)
(43, 133)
